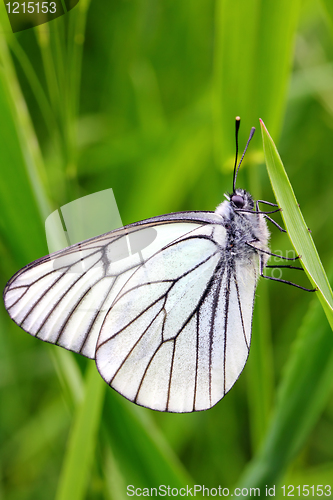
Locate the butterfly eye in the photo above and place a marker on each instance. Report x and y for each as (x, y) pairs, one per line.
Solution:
(238, 201)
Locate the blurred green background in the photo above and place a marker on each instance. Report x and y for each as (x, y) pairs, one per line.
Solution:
(140, 96)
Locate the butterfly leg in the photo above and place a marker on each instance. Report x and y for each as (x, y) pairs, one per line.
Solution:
(261, 260)
(271, 253)
(256, 211)
(278, 266)
(275, 224)
(267, 217)
(266, 203)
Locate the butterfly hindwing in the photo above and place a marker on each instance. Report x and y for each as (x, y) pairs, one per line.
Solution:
(164, 341)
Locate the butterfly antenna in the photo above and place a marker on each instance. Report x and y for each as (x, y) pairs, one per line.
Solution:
(236, 157)
(236, 169)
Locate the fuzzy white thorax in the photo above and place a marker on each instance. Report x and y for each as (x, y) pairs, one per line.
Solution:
(244, 226)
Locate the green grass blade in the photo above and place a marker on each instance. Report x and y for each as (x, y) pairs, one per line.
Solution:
(29, 144)
(34, 82)
(304, 391)
(295, 224)
(69, 375)
(43, 38)
(76, 34)
(81, 448)
(21, 223)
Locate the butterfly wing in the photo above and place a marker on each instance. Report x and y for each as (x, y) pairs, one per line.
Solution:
(178, 334)
(169, 322)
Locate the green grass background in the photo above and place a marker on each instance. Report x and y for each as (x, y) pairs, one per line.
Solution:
(140, 96)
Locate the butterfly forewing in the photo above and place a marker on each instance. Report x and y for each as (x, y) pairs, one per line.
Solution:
(63, 298)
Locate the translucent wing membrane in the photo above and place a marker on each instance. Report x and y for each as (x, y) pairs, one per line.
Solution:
(162, 307)
(177, 337)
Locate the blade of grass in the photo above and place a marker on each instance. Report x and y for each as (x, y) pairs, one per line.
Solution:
(21, 222)
(115, 483)
(295, 224)
(29, 145)
(59, 38)
(76, 35)
(43, 38)
(69, 375)
(77, 20)
(34, 83)
(82, 442)
(23, 199)
(303, 394)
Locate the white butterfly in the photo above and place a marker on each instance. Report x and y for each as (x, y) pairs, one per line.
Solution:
(169, 325)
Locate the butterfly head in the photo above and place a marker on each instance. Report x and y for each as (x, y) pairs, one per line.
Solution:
(241, 199)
